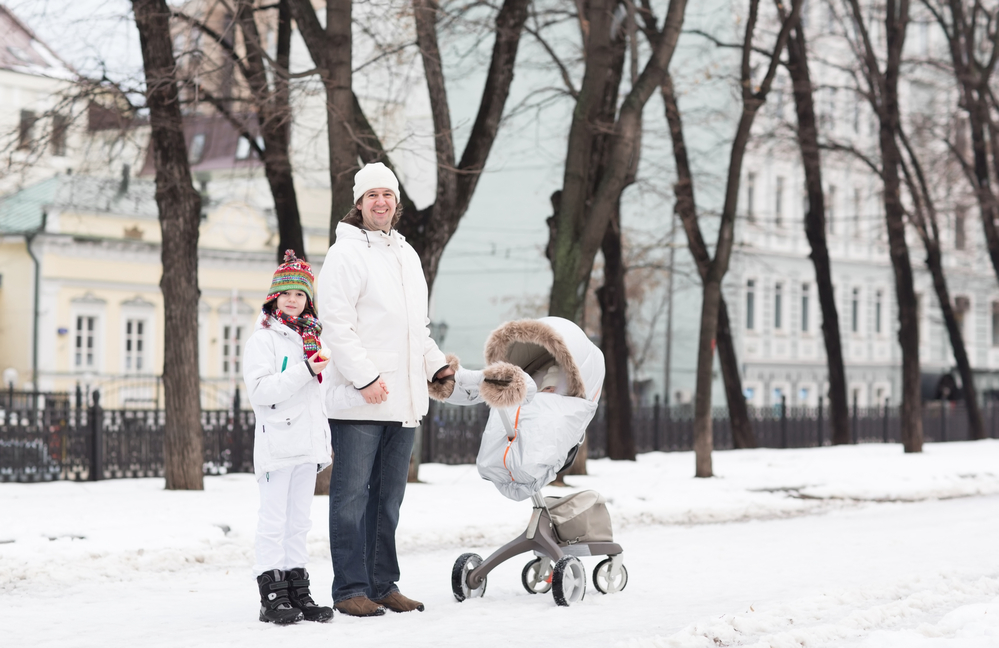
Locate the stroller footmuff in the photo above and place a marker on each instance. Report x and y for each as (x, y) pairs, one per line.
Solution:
(530, 436)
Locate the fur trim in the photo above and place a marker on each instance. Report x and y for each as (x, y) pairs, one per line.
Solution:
(441, 389)
(504, 385)
(535, 332)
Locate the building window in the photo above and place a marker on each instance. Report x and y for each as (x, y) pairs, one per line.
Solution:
(855, 311)
(960, 239)
(857, 202)
(26, 129)
(779, 202)
(244, 149)
(197, 148)
(778, 306)
(750, 305)
(995, 323)
(135, 342)
(751, 197)
(60, 125)
(84, 347)
(831, 209)
(878, 298)
(232, 350)
(804, 308)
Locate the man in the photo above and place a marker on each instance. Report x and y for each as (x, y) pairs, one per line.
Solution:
(372, 300)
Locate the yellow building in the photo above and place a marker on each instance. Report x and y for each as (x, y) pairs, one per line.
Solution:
(80, 302)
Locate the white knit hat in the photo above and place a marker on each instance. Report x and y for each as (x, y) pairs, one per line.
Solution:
(375, 176)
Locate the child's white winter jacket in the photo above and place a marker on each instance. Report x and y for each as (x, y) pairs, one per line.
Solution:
(289, 403)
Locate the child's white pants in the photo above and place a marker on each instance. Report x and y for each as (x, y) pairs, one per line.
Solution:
(284, 519)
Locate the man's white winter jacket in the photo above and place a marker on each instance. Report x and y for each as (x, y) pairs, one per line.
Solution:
(289, 403)
(372, 300)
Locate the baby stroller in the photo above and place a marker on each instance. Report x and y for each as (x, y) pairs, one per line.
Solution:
(529, 438)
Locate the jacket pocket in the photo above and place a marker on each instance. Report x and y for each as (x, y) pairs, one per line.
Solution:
(288, 433)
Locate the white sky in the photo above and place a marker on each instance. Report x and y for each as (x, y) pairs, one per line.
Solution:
(91, 35)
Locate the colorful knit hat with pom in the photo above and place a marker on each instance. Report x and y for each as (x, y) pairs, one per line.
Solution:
(293, 274)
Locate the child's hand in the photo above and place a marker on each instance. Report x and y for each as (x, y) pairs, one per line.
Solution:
(382, 383)
(318, 363)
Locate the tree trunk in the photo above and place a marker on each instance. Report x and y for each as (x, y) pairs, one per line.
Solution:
(686, 209)
(976, 429)
(738, 412)
(883, 93)
(908, 334)
(815, 230)
(925, 220)
(703, 433)
(614, 344)
(179, 207)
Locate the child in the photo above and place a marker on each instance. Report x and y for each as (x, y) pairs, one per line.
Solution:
(282, 369)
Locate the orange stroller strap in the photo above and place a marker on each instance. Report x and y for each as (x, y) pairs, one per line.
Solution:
(509, 441)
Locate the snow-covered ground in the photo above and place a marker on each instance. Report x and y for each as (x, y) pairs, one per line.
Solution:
(847, 546)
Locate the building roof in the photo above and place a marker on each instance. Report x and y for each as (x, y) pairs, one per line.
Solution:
(21, 51)
(213, 144)
(23, 211)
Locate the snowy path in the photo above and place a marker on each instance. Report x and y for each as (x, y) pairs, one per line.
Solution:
(838, 568)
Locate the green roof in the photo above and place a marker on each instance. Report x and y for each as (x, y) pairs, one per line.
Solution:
(22, 211)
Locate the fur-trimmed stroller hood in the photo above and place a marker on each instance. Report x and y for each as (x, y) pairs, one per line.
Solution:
(530, 344)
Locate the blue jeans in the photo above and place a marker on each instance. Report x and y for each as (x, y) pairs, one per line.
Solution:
(370, 467)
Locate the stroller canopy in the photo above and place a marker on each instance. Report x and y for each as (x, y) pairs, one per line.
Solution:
(532, 344)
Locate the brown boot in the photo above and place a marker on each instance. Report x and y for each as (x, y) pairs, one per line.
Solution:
(359, 606)
(399, 603)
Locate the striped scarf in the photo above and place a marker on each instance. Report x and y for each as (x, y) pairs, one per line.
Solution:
(307, 326)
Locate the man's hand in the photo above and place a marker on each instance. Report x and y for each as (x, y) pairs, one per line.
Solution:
(375, 393)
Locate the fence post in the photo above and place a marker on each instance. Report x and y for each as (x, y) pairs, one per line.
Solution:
(96, 421)
(238, 449)
(821, 440)
(884, 431)
(943, 420)
(783, 421)
(854, 419)
(655, 423)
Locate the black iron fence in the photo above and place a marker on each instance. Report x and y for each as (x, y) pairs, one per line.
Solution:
(68, 441)
(92, 443)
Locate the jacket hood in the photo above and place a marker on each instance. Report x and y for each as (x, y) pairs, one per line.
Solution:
(530, 344)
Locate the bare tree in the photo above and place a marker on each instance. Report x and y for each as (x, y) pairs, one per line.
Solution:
(266, 89)
(587, 199)
(180, 213)
(685, 208)
(753, 97)
(428, 230)
(972, 32)
(815, 229)
(881, 90)
(924, 218)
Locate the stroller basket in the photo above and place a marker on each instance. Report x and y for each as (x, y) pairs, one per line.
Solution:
(581, 517)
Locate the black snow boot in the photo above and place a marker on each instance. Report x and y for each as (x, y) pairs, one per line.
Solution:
(301, 598)
(275, 606)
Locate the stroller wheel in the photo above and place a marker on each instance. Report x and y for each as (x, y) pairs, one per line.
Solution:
(568, 581)
(459, 577)
(605, 581)
(537, 576)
